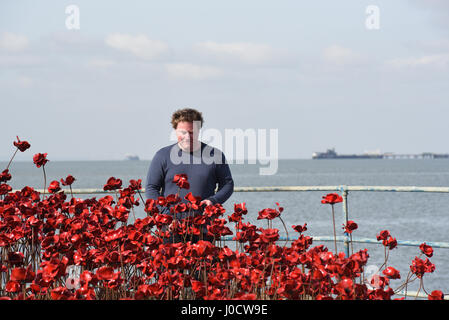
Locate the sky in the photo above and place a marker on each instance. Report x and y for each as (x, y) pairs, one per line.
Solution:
(312, 70)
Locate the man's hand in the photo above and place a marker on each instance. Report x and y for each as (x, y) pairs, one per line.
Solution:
(206, 202)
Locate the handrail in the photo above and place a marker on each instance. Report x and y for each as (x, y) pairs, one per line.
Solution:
(341, 188)
(292, 189)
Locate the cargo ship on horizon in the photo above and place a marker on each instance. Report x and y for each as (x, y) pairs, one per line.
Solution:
(331, 154)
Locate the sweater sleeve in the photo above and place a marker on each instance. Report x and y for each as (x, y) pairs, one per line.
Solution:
(225, 182)
(155, 177)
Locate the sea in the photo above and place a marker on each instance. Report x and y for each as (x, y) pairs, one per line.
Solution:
(416, 216)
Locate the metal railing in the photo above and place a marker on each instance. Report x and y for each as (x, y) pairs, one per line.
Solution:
(344, 191)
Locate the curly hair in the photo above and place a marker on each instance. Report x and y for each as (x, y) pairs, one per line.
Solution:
(187, 114)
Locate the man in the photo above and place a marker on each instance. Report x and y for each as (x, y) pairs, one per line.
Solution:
(204, 165)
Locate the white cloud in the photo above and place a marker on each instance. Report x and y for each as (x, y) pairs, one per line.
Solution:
(192, 71)
(13, 42)
(436, 60)
(242, 51)
(139, 45)
(340, 55)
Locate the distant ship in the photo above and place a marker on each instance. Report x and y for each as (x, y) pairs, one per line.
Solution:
(131, 157)
(331, 154)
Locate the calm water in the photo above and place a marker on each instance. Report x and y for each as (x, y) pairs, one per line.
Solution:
(408, 216)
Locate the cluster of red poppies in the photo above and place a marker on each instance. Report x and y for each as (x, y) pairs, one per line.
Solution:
(43, 237)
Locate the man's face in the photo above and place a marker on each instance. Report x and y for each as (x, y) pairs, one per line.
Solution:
(187, 134)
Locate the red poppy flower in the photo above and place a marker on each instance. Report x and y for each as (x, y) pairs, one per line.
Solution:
(105, 273)
(181, 181)
(240, 208)
(245, 296)
(114, 235)
(299, 228)
(268, 214)
(178, 208)
(54, 187)
(269, 235)
(214, 211)
(151, 207)
(155, 289)
(15, 258)
(40, 159)
(121, 213)
(4, 188)
(5, 176)
(172, 199)
(112, 184)
(18, 274)
(391, 243)
(239, 211)
(331, 198)
(234, 217)
(164, 219)
(218, 228)
(383, 235)
(61, 293)
(350, 226)
(419, 267)
(12, 286)
(436, 295)
(195, 201)
(21, 145)
(392, 273)
(427, 250)
(135, 184)
(345, 287)
(68, 181)
(379, 282)
(86, 277)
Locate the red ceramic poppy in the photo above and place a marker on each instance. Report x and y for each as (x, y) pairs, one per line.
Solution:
(40, 159)
(21, 145)
(181, 181)
(436, 295)
(54, 187)
(331, 198)
(350, 226)
(68, 180)
(112, 184)
(391, 273)
(426, 249)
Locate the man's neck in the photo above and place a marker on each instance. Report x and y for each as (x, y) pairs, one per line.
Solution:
(196, 146)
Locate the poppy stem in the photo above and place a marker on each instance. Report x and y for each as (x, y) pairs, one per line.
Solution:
(285, 230)
(352, 248)
(143, 201)
(134, 215)
(45, 180)
(335, 233)
(419, 289)
(9, 163)
(422, 281)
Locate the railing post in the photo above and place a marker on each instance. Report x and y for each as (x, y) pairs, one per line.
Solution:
(344, 194)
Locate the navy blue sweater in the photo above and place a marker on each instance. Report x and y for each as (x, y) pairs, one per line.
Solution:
(205, 168)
